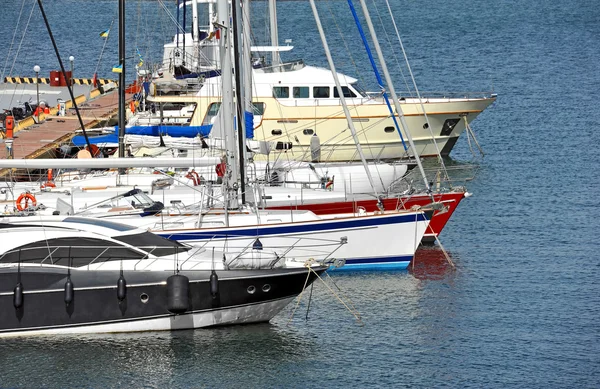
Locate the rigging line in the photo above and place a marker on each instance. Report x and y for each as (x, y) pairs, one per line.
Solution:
(22, 39)
(349, 52)
(377, 75)
(412, 76)
(13, 40)
(18, 50)
(104, 47)
(178, 26)
(392, 48)
(62, 67)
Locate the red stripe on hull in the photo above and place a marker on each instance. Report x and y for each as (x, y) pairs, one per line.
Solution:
(438, 221)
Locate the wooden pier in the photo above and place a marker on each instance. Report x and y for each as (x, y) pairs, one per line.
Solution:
(39, 140)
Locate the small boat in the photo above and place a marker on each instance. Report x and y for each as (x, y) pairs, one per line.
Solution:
(78, 275)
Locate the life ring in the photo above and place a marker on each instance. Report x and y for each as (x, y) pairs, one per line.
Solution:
(24, 199)
(48, 184)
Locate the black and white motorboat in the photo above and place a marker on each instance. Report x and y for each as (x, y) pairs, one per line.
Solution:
(81, 275)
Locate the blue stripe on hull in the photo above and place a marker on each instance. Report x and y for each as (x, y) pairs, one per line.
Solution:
(293, 229)
(379, 263)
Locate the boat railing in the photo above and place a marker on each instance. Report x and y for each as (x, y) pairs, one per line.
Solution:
(434, 96)
(296, 64)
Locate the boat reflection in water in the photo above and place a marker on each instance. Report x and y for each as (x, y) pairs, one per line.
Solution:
(430, 263)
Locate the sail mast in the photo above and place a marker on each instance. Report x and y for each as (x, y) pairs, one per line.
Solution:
(122, 79)
(274, 33)
(226, 111)
(240, 63)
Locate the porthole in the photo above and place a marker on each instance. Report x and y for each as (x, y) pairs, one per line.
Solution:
(425, 126)
(276, 132)
(389, 129)
(266, 288)
(251, 289)
(308, 131)
(144, 298)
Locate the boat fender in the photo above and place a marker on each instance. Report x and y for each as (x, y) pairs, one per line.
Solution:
(214, 284)
(315, 148)
(121, 288)
(69, 291)
(18, 296)
(24, 199)
(177, 293)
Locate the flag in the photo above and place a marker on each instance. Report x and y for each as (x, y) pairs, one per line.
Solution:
(117, 69)
(104, 34)
(141, 60)
(215, 34)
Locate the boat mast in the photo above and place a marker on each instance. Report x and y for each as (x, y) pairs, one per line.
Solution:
(236, 13)
(390, 86)
(122, 79)
(248, 56)
(226, 111)
(274, 35)
(195, 35)
(341, 94)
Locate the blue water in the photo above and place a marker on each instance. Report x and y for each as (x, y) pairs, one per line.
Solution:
(522, 307)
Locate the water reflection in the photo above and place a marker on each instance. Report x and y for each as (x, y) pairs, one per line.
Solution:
(155, 359)
(430, 263)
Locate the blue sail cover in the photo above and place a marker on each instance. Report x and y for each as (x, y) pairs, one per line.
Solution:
(175, 131)
(249, 117)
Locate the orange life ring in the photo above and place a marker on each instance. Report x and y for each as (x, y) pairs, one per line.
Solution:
(24, 199)
(48, 184)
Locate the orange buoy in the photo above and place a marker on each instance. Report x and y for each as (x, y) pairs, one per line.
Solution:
(24, 199)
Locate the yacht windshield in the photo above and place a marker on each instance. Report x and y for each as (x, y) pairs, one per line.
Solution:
(359, 89)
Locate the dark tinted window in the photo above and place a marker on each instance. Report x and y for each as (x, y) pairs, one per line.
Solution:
(347, 92)
(320, 92)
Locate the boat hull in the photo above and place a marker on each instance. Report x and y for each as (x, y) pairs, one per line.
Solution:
(437, 223)
(96, 309)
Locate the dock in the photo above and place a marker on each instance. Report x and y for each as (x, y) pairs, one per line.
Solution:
(40, 140)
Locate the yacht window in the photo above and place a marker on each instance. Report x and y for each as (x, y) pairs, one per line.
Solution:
(212, 111)
(389, 129)
(448, 126)
(308, 131)
(276, 132)
(258, 108)
(359, 90)
(301, 92)
(345, 90)
(281, 92)
(71, 251)
(321, 92)
(154, 244)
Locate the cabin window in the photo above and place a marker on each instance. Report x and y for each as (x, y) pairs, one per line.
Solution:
(359, 90)
(389, 129)
(276, 132)
(281, 92)
(301, 92)
(448, 126)
(308, 131)
(321, 92)
(211, 112)
(345, 90)
(258, 108)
